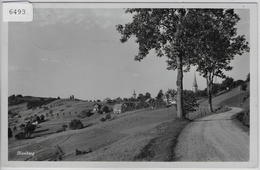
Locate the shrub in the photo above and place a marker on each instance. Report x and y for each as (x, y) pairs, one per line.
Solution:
(105, 109)
(88, 114)
(12, 113)
(14, 128)
(19, 116)
(20, 135)
(42, 118)
(22, 126)
(38, 119)
(75, 124)
(80, 126)
(62, 129)
(246, 117)
(189, 100)
(102, 119)
(243, 87)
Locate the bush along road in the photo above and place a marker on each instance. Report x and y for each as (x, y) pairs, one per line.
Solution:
(213, 138)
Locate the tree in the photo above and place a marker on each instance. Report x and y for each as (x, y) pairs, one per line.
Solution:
(75, 124)
(228, 82)
(147, 95)
(29, 129)
(243, 87)
(38, 119)
(202, 93)
(216, 87)
(239, 82)
(218, 43)
(171, 92)
(62, 129)
(19, 96)
(141, 98)
(248, 77)
(160, 94)
(42, 118)
(170, 33)
(190, 102)
(105, 109)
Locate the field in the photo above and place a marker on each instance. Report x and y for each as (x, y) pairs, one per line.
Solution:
(126, 130)
(139, 135)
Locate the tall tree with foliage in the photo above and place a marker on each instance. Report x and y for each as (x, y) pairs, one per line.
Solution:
(228, 82)
(218, 44)
(169, 32)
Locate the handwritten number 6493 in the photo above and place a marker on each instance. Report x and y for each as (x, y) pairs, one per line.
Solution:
(17, 11)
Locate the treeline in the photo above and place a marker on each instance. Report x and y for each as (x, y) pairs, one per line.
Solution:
(227, 84)
(15, 100)
(38, 103)
(32, 102)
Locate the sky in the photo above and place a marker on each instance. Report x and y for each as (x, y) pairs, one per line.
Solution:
(65, 52)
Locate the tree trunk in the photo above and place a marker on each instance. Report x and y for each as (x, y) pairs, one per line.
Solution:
(179, 82)
(180, 112)
(209, 90)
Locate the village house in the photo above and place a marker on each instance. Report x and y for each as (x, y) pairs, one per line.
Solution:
(119, 108)
(96, 107)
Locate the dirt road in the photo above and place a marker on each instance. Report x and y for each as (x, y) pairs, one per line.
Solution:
(213, 138)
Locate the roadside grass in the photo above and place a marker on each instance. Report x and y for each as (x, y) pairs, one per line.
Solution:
(243, 101)
(161, 147)
(243, 98)
(156, 144)
(204, 111)
(120, 140)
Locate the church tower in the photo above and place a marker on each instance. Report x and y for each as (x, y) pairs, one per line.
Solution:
(194, 84)
(134, 94)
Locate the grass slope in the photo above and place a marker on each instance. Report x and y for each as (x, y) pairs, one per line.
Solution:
(142, 135)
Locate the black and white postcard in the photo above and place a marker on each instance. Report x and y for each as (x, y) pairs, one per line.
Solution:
(130, 85)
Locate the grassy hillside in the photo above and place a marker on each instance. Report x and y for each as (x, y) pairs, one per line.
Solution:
(49, 145)
(234, 98)
(233, 93)
(139, 135)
